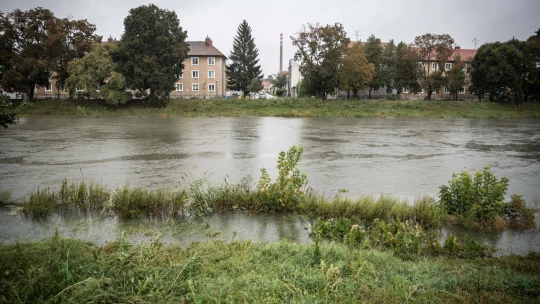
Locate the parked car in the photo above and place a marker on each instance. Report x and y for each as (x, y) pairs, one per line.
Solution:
(262, 95)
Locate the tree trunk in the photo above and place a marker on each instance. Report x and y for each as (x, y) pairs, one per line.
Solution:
(429, 92)
(348, 94)
(369, 96)
(31, 91)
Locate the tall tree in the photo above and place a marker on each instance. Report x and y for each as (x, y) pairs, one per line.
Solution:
(533, 47)
(244, 56)
(502, 69)
(388, 68)
(408, 71)
(320, 50)
(356, 72)
(374, 54)
(73, 40)
(255, 85)
(456, 78)
(151, 51)
(98, 75)
(435, 50)
(28, 49)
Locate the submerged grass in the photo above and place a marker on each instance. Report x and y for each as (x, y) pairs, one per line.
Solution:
(287, 108)
(67, 270)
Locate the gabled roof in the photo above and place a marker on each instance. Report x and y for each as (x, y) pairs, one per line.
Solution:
(202, 48)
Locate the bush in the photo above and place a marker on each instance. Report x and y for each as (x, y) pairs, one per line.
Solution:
(393, 97)
(480, 197)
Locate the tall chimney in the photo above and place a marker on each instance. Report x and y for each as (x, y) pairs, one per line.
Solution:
(280, 53)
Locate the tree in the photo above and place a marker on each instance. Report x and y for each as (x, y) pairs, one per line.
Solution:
(533, 47)
(456, 77)
(151, 51)
(388, 68)
(244, 56)
(27, 40)
(98, 75)
(502, 69)
(8, 112)
(73, 40)
(255, 85)
(434, 49)
(374, 54)
(408, 72)
(279, 80)
(320, 50)
(356, 72)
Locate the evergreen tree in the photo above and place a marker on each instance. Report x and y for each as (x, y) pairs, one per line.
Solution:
(244, 57)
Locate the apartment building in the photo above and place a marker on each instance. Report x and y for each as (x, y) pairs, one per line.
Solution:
(204, 72)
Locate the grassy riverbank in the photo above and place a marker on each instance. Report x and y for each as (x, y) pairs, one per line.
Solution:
(67, 270)
(287, 108)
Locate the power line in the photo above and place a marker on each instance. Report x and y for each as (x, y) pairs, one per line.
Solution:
(476, 41)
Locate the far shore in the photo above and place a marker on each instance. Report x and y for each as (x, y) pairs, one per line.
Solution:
(285, 108)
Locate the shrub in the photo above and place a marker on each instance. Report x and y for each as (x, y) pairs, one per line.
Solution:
(480, 197)
(286, 193)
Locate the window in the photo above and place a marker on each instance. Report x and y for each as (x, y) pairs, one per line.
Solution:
(446, 90)
(179, 87)
(376, 90)
(212, 87)
(434, 66)
(48, 87)
(211, 61)
(538, 64)
(421, 64)
(194, 60)
(195, 87)
(181, 75)
(405, 91)
(211, 74)
(465, 67)
(462, 90)
(79, 88)
(447, 66)
(195, 74)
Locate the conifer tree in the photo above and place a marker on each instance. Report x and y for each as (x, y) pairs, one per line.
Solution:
(244, 56)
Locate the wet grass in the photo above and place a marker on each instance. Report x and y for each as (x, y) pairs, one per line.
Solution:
(67, 270)
(287, 108)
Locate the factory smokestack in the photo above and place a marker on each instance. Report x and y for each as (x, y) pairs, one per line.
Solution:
(280, 53)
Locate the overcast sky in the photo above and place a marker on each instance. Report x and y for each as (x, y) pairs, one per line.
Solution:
(464, 20)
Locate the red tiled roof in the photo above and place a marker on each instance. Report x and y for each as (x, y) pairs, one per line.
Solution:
(202, 48)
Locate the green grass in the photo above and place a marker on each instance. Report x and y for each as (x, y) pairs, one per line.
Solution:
(72, 271)
(287, 108)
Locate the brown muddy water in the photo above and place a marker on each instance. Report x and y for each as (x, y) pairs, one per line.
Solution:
(402, 157)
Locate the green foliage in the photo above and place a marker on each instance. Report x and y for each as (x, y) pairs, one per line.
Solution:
(281, 92)
(286, 193)
(480, 197)
(255, 85)
(520, 216)
(403, 238)
(151, 51)
(97, 73)
(8, 112)
(407, 71)
(244, 65)
(374, 54)
(279, 80)
(500, 69)
(321, 49)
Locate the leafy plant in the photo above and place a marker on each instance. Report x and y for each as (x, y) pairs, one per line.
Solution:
(286, 193)
(480, 197)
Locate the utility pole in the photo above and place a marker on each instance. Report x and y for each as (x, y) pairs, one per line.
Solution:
(280, 53)
(476, 41)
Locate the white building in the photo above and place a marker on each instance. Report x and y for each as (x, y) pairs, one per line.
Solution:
(293, 78)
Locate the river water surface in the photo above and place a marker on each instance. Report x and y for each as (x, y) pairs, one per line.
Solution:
(402, 157)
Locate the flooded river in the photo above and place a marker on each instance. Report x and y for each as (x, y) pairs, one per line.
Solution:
(402, 157)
